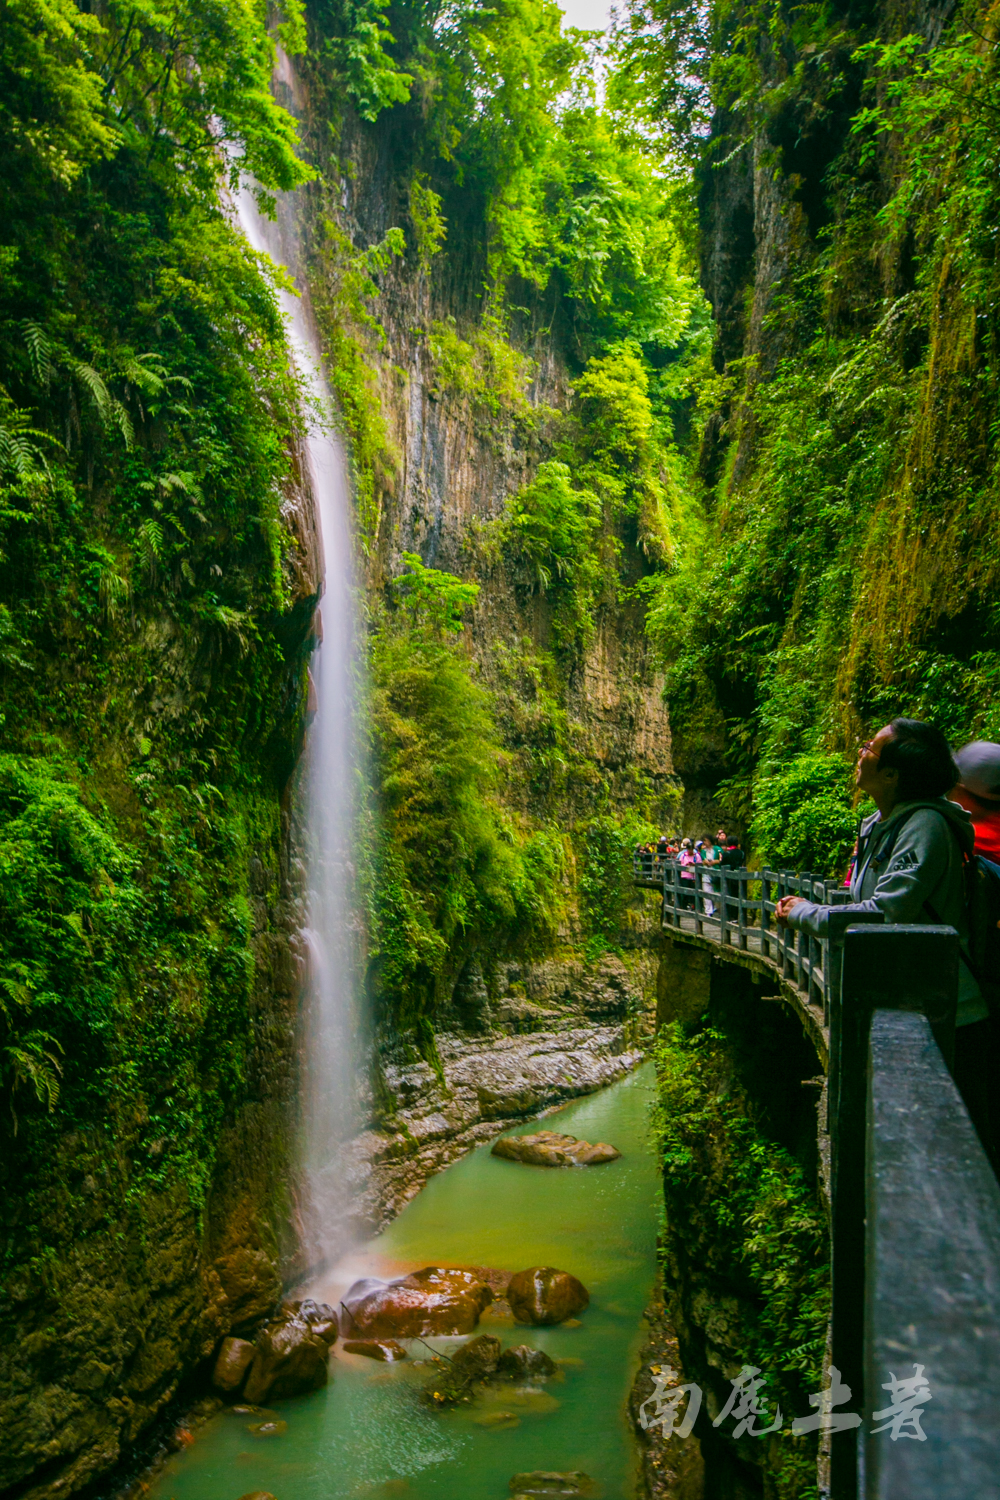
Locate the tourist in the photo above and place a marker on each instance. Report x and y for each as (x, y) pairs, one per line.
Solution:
(978, 791)
(910, 867)
(711, 854)
(687, 859)
(732, 856)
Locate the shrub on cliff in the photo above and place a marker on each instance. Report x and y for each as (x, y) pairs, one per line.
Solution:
(449, 871)
(804, 816)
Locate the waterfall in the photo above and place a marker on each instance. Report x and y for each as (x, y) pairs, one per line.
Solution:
(332, 1066)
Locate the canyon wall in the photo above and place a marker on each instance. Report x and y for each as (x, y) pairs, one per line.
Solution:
(140, 1234)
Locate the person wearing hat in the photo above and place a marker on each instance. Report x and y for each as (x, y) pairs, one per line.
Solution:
(978, 791)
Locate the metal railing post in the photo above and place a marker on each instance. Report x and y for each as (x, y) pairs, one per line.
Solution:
(902, 968)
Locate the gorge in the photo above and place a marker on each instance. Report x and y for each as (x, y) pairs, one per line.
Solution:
(643, 432)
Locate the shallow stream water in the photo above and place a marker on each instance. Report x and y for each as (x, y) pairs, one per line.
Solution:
(368, 1436)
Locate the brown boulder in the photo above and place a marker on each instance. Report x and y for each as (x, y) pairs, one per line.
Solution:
(257, 1495)
(385, 1349)
(234, 1360)
(523, 1361)
(476, 1359)
(543, 1295)
(290, 1360)
(549, 1149)
(431, 1301)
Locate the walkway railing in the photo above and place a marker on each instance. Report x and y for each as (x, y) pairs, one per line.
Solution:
(915, 1205)
(736, 908)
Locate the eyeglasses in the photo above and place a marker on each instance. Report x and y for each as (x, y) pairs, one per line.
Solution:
(864, 749)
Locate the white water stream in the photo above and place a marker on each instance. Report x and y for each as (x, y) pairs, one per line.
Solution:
(332, 1023)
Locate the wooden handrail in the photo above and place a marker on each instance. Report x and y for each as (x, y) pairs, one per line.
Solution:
(915, 1205)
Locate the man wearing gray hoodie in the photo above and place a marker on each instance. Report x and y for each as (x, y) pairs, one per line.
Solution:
(910, 866)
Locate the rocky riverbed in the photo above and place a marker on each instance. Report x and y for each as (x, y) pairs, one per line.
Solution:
(558, 1030)
(485, 1086)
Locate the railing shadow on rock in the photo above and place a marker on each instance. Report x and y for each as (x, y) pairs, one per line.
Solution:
(915, 1204)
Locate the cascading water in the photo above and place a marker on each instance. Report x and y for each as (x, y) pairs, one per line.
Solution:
(332, 1021)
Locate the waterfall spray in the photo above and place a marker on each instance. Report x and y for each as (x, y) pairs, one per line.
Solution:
(332, 1023)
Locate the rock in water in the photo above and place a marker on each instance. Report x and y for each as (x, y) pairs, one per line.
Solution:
(476, 1359)
(321, 1317)
(234, 1360)
(522, 1361)
(290, 1360)
(385, 1349)
(543, 1295)
(431, 1301)
(268, 1429)
(543, 1483)
(549, 1149)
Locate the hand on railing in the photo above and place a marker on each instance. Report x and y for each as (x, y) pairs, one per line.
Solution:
(784, 907)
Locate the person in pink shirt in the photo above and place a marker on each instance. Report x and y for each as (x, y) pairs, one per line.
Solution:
(687, 859)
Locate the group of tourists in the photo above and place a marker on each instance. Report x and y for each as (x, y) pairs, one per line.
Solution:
(936, 815)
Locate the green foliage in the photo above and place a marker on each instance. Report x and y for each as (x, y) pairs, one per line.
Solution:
(484, 369)
(125, 973)
(450, 873)
(844, 572)
(555, 528)
(345, 286)
(152, 670)
(429, 224)
(765, 1234)
(353, 36)
(804, 817)
(179, 84)
(435, 601)
(605, 882)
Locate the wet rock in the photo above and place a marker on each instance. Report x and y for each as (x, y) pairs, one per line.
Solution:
(257, 1495)
(234, 1360)
(384, 1349)
(540, 1403)
(268, 1429)
(321, 1317)
(289, 1360)
(543, 1295)
(477, 1359)
(545, 1483)
(498, 1421)
(550, 1149)
(431, 1301)
(471, 999)
(523, 1362)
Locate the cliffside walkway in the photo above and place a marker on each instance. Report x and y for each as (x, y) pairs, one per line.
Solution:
(735, 909)
(914, 1203)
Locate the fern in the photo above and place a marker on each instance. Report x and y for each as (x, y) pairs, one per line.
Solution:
(149, 542)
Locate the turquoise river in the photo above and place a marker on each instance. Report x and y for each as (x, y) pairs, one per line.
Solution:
(369, 1435)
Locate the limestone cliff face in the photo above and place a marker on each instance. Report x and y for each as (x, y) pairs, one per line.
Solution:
(457, 457)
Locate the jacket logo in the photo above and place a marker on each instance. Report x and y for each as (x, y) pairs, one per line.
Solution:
(903, 861)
